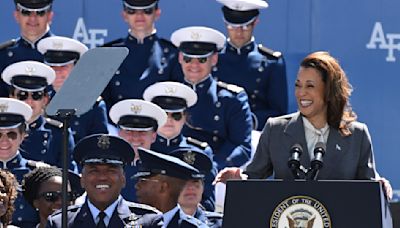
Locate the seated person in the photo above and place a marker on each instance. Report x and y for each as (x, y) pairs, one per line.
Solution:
(42, 189)
(191, 196)
(29, 82)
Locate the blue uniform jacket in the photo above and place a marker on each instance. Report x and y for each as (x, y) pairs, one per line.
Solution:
(22, 50)
(261, 74)
(150, 61)
(222, 118)
(129, 192)
(136, 215)
(211, 219)
(45, 143)
(24, 215)
(164, 145)
(93, 121)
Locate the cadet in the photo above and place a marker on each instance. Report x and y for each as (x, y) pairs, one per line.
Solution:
(175, 98)
(14, 115)
(190, 197)
(150, 59)
(103, 158)
(29, 82)
(138, 121)
(34, 18)
(221, 117)
(61, 54)
(161, 179)
(259, 70)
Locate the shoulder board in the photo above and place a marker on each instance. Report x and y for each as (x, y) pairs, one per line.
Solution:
(211, 214)
(198, 143)
(36, 164)
(113, 42)
(72, 208)
(53, 122)
(231, 87)
(269, 52)
(7, 44)
(141, 209)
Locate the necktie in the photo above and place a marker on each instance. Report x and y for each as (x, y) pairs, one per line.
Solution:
(101, 223)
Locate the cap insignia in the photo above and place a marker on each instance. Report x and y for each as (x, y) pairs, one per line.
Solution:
(237, 7)
(189, 157)
(170, 90)
(195, 36)
(103, 142)
(3, 107)
(57, 45)
(136, 108)
(30, 70)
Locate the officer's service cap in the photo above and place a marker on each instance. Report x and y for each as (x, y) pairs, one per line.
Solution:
(198, 40)
(171, 96)
(13, 113)
(34, 4)
(103, 149)
(140, 4)
(194, 157)
(154, 163)
(29, 75)
(60, 51)
(241, 11)
(137, 115)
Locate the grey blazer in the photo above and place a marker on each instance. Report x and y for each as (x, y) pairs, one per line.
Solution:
(346, 157)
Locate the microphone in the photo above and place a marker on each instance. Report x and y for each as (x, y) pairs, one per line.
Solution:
(318, 162)
(294, 160)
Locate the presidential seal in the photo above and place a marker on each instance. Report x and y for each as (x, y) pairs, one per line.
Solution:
(300, 212)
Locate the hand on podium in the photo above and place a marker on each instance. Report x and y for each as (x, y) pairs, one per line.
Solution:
(387, 187)
(230, 173)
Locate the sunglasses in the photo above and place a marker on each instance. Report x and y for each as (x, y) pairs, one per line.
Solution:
(27, 13)
(23, 95)
(146, 11)
(175, 115)
(188, 59)
(55, 196)
(10, 135)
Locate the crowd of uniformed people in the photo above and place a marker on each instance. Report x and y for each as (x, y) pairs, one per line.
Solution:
(176, 112)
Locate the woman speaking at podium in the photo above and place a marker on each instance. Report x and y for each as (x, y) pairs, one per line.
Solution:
(325, 118)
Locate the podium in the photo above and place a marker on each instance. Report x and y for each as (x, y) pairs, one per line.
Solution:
(309, 204)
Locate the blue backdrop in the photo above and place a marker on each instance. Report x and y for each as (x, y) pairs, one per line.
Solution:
(363, 34)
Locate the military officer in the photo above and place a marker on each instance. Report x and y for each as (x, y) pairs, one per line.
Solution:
(14, 115)
(102, 158)
(175, 98)
(221, 117)
(61, 54)
(150, 59)
(29, 81)
(190, 197)
(161, 179)
(138, 121)
(259, 70)
(34, 18)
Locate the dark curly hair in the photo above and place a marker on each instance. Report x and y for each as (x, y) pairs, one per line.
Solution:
(10, 188)
(337, 92)
(32, 181)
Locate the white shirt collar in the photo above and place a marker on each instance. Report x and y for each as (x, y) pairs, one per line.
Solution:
(314, 135)
(167, 216)
(109, 211)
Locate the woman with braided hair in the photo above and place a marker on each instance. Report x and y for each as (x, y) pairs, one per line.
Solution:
(8, 194)
(42, 190)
